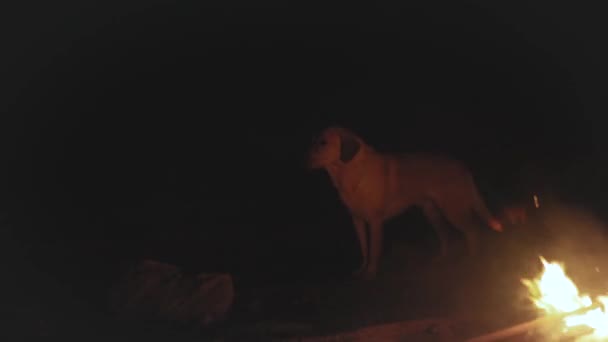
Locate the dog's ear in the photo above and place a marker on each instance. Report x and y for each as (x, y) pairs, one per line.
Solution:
(349, 146)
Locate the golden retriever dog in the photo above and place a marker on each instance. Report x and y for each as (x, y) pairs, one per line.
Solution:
(377, 186)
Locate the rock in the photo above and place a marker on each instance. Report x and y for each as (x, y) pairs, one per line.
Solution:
(155, 290)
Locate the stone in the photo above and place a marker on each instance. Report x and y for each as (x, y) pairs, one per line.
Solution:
(156, 290)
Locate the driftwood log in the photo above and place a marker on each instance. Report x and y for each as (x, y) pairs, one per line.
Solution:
(530, 326)
(439, 330)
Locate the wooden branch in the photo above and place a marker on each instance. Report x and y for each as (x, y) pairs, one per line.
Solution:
(398, 331)
(534, 324)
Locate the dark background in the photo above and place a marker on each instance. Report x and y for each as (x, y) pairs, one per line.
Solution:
(179, 131)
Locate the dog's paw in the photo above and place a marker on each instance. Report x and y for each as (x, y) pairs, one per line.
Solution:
(438, 258)
(369, 275)
(365, 274)
(360, 271)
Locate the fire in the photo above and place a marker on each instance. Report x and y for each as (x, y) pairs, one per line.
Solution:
(553, 292)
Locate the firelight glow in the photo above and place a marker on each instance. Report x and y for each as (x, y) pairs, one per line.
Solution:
(553, 292)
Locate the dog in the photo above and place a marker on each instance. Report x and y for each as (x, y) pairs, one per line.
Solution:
(377, 186)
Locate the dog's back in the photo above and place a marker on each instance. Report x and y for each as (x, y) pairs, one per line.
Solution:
(416, 179)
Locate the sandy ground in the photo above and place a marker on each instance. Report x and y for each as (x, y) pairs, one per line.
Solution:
(481, 293)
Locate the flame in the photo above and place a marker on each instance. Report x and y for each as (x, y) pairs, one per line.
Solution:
(553, 292)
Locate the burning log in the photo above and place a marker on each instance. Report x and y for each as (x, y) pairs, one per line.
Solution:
(532, 325)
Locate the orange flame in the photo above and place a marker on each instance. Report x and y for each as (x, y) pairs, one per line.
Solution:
(553, 292)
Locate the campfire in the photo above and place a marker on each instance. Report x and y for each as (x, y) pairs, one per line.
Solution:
(564, 312)
(555, 293)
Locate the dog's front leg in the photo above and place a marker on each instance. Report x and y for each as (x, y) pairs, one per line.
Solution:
(375, 232)
(360, 227)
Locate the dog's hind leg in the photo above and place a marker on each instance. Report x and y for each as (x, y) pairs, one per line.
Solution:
(462, 219)
(433, 215)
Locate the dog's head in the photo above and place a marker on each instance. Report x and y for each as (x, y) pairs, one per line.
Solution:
(335, 145)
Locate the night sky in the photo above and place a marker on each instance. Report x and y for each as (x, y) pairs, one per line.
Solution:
(183, 129)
